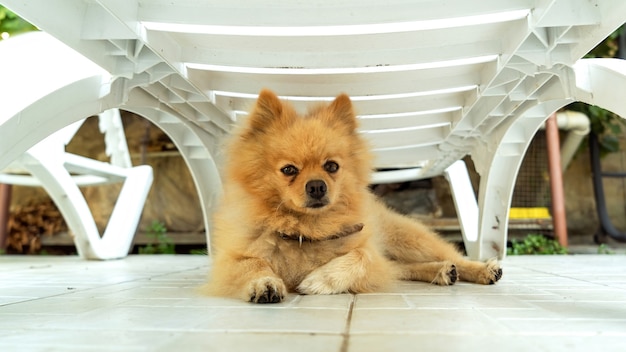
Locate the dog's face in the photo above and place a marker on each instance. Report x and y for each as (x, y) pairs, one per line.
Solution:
(310, 166)
(307, 164)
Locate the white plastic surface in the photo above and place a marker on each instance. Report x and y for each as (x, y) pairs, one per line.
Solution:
(432, 80)
(49, 166)
(117, 238)
(465, 204)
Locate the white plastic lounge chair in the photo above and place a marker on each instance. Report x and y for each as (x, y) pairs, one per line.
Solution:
(61, 173)
(433, 81)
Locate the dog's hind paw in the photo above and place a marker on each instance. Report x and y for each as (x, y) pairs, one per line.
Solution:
(485, 273)
(448, 275)
(266, 290)
(495, 271)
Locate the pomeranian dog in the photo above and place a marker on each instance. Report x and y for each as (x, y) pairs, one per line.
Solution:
(297, 215)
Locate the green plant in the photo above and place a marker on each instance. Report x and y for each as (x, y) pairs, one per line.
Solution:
(536, 244)
(605, 124)
(202, 251)
(604, 249)
(162, 244)
(12, 24)
(608, 47)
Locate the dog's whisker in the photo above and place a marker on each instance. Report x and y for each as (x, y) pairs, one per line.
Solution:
(278, 207)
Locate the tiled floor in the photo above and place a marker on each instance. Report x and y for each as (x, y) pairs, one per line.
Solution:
(149, 303)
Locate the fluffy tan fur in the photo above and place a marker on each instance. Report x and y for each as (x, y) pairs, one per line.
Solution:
(297, 215)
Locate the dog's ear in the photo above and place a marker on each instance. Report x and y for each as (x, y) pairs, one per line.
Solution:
(268, 111)
(342, 111)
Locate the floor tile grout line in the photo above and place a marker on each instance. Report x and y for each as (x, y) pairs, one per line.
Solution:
(346, 334)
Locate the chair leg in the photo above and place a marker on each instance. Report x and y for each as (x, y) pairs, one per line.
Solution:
(495, 194)
(484, 224)
(466, 205)
(120, 231)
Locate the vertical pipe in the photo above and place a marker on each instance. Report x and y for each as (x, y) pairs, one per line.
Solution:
(5, 202)
(556, 180)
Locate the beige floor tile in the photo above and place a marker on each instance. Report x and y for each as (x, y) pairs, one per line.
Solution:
(257, 342)
(151, 303)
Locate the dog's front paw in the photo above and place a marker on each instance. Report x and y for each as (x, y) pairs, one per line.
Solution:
(266, 290)
(447, 275)
(321, 282)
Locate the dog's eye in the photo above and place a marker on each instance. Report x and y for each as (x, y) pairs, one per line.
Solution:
(289, 170)
(331, 167)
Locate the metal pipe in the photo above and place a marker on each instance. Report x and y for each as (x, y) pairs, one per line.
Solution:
(5, 203)
(556, 180)
(578, 126)
(606, 225)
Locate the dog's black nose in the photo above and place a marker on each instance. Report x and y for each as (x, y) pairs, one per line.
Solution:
(316, 189)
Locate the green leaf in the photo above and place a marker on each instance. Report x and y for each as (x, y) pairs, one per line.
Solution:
(615, 128)
(609, 143)
(536, 244)
(12, 23)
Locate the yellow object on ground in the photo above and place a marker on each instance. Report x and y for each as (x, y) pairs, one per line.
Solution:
(529, 213)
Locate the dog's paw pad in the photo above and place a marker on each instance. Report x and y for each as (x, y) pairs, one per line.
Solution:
(267, 296)
(496, 275)
(494, 271)
(453, 275)
(448, 275)
(267, 290)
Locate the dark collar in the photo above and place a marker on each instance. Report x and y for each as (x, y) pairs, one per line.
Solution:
(345, 231)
